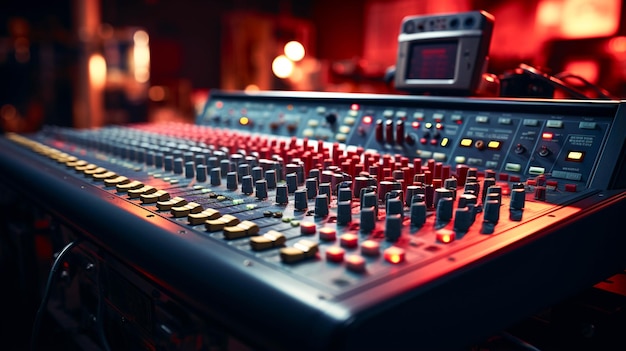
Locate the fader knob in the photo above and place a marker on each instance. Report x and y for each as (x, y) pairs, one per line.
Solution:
(178, 165)
(216, 176)
(518, 199)
(444, 209)
(418, 213)
(246, 184)
(261, 189)
(168, 163)
(393, 227)
(300, 200)
(281, 194)
(292, 182)
(231, 181)
(189, 170)
(321, 205)
(270, 176)
(491, 211)
(344, 212)
(201, 173)
(379, 131)
(311, 188)
(368, 219)
(463, 219)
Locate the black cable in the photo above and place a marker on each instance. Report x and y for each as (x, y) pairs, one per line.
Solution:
(519, 342)
(46, 294)
(601, 92)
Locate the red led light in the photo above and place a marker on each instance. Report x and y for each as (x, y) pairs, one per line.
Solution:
(219, 104)
(328, 234)
(335, 254)
(370, 248)
(547, 136)
(367, 120)
(354, 107)
(349, 240)
(394, 255)
(415, 125)
(355, 263)
(439, 126)
(308, 228)
(446, 236)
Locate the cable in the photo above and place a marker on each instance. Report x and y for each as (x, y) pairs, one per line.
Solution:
(46, 294)
(601, 92)
(519, 342)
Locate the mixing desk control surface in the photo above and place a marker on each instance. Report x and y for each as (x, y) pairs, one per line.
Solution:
(352, 221)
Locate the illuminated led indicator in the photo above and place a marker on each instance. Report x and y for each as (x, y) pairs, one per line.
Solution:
(370, 248)
(575, 156)
(466, 142)
(445, 142)
(289, 107)
(446, 236)
(354, 107)
(547, 136)
(439, 126)
(219, 104)
(244, 121)
(394, 255)
(494, 145)
(428, 125)
(328, 234)
(308, 228)
(349, 240)
(355, 263)
(415, 125)
(335, 254)
(367, 120)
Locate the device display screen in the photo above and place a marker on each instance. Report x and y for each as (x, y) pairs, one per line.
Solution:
(432, 60)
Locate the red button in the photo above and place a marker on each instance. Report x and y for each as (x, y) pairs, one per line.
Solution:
(355, 263)
(570, 188)
(370, 248)
(308, 228)
(349, 240)
(394, 255)
(445, 236)
(328, 234)
(335, 254)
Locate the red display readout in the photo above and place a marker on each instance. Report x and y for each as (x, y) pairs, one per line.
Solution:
(432, 60)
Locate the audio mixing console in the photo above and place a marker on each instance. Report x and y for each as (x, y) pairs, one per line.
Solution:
(328, 221)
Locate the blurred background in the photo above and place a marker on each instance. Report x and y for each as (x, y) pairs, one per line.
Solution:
(87, 63)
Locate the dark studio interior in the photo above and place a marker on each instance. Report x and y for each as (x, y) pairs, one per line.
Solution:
(88, 83)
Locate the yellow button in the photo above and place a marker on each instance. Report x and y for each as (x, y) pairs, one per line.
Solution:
(466, 142)
(251, 228)
(575, 156)
(85, 167)
(234, 232)
(115, 181)
(215, 225)
(135, 184)
(268, 240)
(157, 196)
(146, 189)
(173, 202)
(76, 163)
(444, 142)
(291, 254)
(184, 211)
(93, 171)
(199, 218)
(105, 175)
(494, 144)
